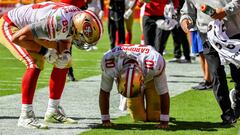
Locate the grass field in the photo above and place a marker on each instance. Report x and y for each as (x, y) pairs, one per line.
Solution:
(192, 113)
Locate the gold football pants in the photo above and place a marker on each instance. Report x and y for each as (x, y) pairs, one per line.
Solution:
(147, 106)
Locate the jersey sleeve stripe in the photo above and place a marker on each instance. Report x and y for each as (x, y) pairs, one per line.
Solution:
(22, 52)
(53, 28)
(48, 28)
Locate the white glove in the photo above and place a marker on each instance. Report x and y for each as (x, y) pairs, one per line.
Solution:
(63, 59)
(167, 24)
(128, 13)
(101, 14)
(51, 55)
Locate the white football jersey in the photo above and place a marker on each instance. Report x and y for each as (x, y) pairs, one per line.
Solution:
(150, 61)
(49, 20)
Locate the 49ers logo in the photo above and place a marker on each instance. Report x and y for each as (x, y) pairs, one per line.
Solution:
(87, 29)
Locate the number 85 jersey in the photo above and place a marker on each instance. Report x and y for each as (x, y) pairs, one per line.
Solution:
(48, 20)
(150, 61)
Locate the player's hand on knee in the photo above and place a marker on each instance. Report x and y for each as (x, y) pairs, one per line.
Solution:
(63, 59)
(51, 55)
(162, 125)
(107, 123)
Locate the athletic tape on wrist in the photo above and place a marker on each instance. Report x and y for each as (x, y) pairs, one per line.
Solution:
(105, 117)
(164, 117)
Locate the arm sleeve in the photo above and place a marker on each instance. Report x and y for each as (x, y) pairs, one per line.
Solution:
(232, 7)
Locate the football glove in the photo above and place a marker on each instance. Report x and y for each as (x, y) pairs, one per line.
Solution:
(101, 14)
(128, 13)
(167, 24)
(51, 55)
(63, 59)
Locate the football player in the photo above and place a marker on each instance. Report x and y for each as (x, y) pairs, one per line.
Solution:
(139, 72)
(45, 31)
(128, 19)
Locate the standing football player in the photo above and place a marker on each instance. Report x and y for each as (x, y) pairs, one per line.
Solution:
(129, 18)
(140, 76)
(45, 31)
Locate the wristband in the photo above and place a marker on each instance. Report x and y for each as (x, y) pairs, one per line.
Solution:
(105, 117)
(164, 117)
(43, 50)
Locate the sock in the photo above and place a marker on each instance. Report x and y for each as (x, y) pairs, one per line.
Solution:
(26, 108)
(128, 37)
(57, 82)
(52, 105)
(117, 40)
(29, 83)
(142, 39)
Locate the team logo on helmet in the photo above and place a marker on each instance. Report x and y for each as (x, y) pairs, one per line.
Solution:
(87, 29)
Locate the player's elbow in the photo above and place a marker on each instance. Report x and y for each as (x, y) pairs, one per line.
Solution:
(18, 39)
(22, 35)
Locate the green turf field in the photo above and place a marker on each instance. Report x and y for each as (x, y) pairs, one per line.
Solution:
(192, 113)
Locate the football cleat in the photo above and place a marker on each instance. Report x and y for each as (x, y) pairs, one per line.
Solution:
(29, 121)
(58, 117)
(235, 103)
(130, 79)
(232, 98)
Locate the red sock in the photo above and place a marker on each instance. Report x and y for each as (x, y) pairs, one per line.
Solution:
(142, 39)
(57, 82)
(128, 37)
(29, 83)
(117, 41)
